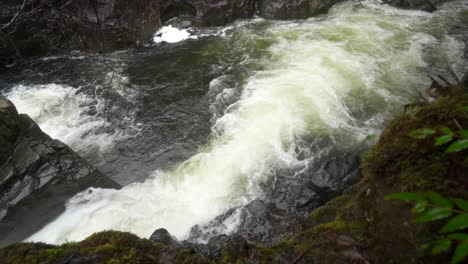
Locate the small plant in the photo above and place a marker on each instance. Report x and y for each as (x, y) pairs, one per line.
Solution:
(458, 139)
(431, 207)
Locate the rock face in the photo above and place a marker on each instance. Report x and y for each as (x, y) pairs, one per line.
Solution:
(37, 175)
(163, 236)
(47, 26)
(289, 200)
(424, 5)
(51, 26)
(293, 9)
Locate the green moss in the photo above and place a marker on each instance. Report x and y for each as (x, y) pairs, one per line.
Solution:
(103, 247)
(397, 163)
(414, 164)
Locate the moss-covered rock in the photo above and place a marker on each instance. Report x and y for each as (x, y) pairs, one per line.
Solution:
(108, 247)
(382, 230)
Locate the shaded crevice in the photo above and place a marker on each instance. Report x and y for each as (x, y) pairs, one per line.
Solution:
(178, 10)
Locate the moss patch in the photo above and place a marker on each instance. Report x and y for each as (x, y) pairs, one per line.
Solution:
(383, 230)
(103, 247)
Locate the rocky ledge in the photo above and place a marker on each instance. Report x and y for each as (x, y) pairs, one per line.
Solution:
(40, 27)
(37, 175)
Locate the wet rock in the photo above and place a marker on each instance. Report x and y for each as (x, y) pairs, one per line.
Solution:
(424, 5)
(220, 13)
(163, 236)
(221, 245)
(57, 26)
(105, 25)
(288, 200)
(37, 175)
(293, 9)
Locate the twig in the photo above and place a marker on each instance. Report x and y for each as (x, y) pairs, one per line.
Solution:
(457, 124)
(302, 255)
(107, 95)
(66, 4)
(14, 17)
(93, 4)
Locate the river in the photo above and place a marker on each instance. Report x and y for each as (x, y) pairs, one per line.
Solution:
(196, 127)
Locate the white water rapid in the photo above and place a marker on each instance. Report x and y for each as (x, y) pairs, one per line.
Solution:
(320, 75)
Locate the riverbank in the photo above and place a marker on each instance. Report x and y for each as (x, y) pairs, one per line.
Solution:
(43, 28)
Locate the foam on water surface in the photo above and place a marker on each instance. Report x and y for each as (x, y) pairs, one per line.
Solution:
(172, 34)
(340, 74)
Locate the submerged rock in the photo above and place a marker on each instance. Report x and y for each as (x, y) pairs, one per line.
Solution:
(37, 175)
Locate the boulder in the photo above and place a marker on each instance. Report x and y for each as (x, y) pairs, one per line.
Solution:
(37, 175)
(221, 12)
(61, 25)
(424, 5)
(288, 200)
(163, 236)
(293, 9)
(50, 27)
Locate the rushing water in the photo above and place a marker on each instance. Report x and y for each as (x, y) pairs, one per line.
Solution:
(237, 104)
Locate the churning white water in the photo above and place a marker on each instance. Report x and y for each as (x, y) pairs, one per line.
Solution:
(321, 72)
(171, 34)
(62, 114)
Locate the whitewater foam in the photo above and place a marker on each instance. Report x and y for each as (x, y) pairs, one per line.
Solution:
(337, 75)
(172, 34)
(66, 115)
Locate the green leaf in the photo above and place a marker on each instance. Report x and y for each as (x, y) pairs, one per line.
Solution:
(443, 140)
(463, 133)
(462, 204)
(441, 246)
(465, 107)
(457, 146)
(406, 196)
(425, 246)
(434, 215)
(461, 251)
(458, 222)
(447, 131)
(422, 133)
(419, 207)
(439, 200)
(458, 236)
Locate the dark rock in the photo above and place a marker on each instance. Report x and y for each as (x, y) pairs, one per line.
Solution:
(82, 259)
(424, 5)
(37, 175)
(464, 80)
(287, 202)
(105, 25)
(220, 245)
(220, 13)
(293, 9)
(56, 26)
(163, 236)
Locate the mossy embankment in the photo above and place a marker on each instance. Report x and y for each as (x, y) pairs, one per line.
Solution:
(377, 230)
